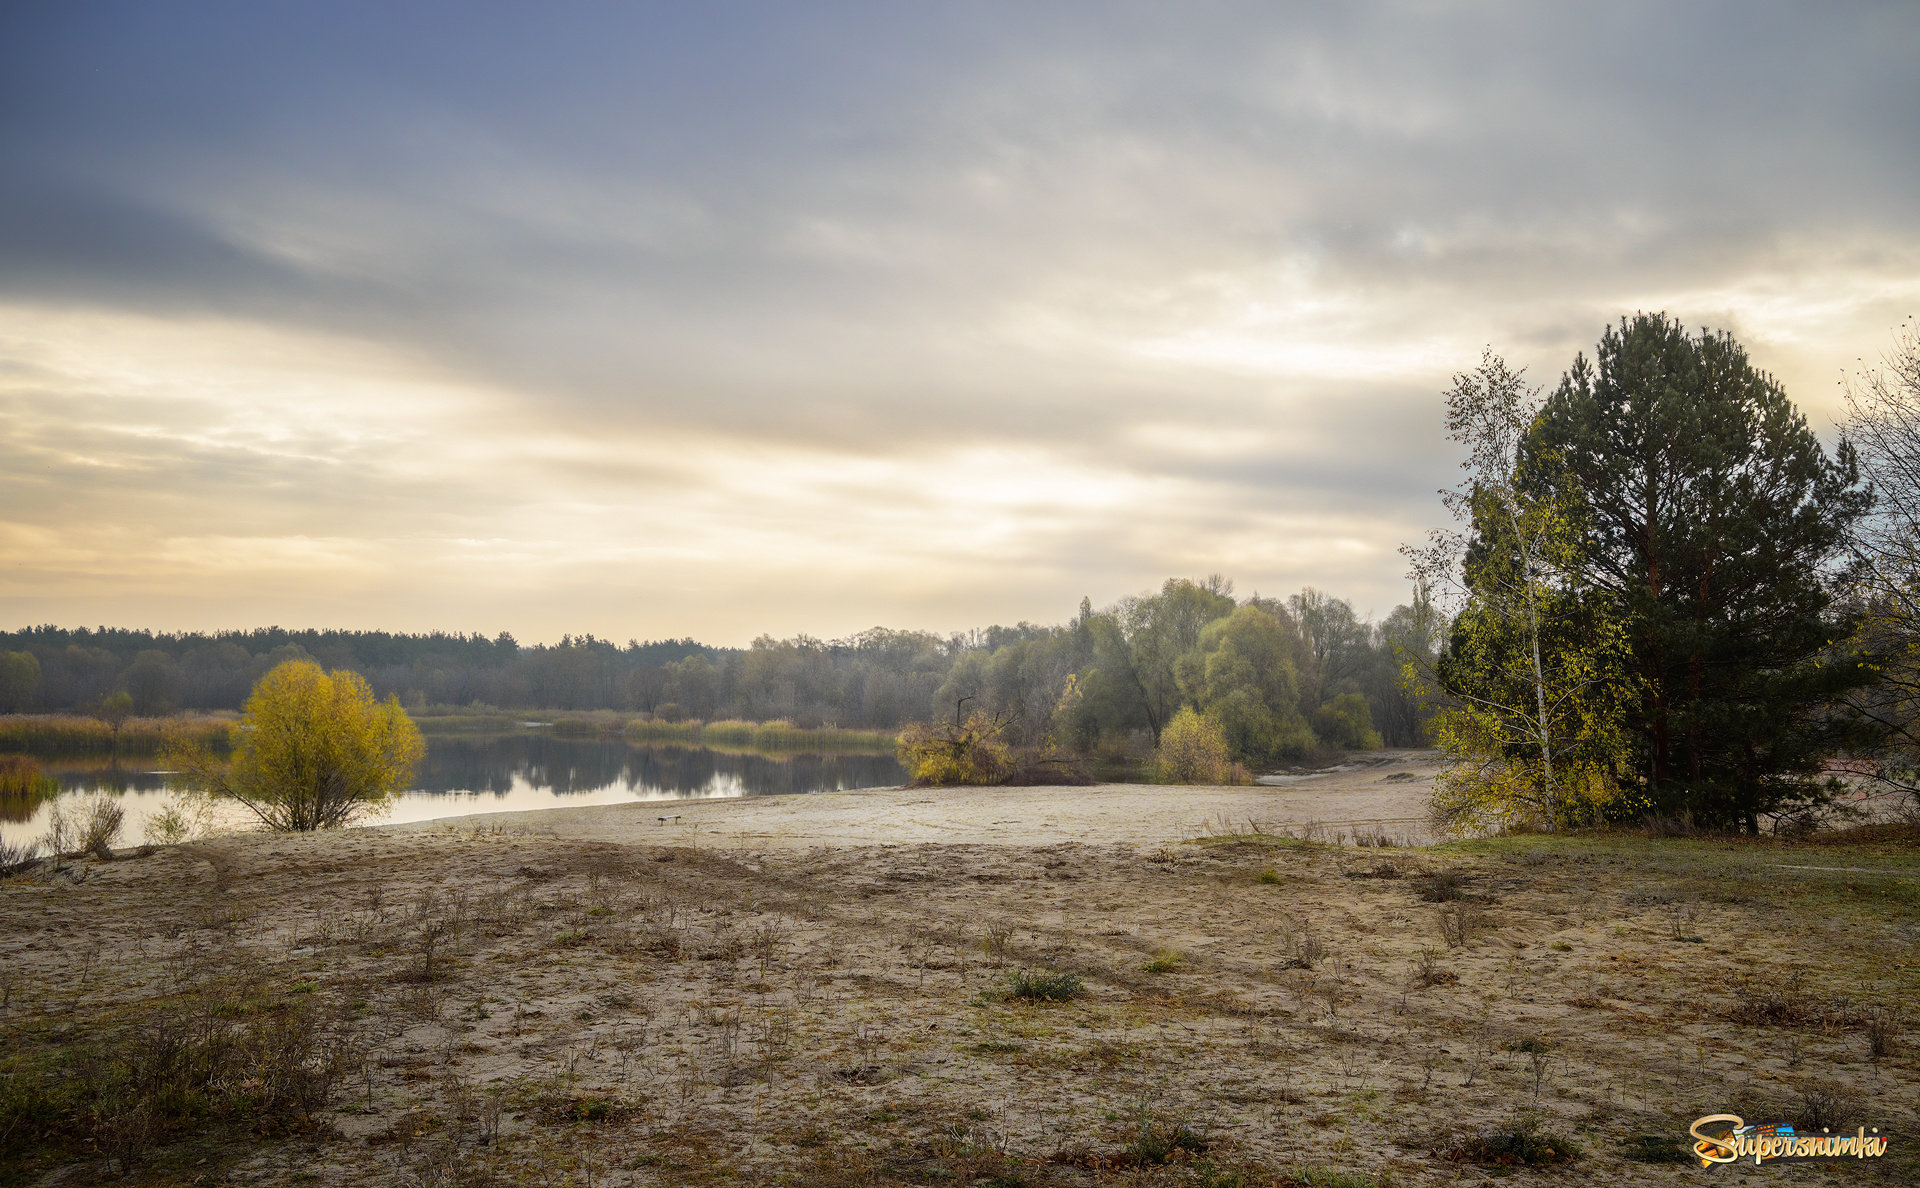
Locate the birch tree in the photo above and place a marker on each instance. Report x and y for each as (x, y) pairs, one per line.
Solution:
(1528, 680)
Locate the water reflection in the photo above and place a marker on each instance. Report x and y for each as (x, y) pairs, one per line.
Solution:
(567, 767)
(509, 773)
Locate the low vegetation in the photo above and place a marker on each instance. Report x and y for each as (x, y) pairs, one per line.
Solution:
(1045, 985)
(775, 736)
(75, 734)
(1193, 750)
(485, 1006)
(23, 785)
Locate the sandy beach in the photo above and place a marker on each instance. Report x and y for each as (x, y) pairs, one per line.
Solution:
(1380, 794)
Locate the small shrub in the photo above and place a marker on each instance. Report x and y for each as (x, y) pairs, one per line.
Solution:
(1519, 1143)
(1824, 1105)
(997, 937)
(1158, 1141)
(98, 821)
(1680, 922)
(1270, 877)
(1193, 750)
(1304, 949)
(588, 1109)
(1457, 923)
(172, 825)
(1165, 963)
(60, 831)
(1881, 1024)
(1036, 985)
(1427, 971)
(1442, 886)
(17, 856)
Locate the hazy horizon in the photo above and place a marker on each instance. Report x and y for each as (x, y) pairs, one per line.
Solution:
(657, 323)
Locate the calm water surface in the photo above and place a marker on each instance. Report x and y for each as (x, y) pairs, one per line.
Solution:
(498, 774)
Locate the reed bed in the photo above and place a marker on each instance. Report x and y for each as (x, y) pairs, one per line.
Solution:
(572, 724)
(725, 734)
(74, 734)
(22, 786)
(777, 735)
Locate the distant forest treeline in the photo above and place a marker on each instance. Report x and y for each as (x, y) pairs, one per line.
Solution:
(1122, 670)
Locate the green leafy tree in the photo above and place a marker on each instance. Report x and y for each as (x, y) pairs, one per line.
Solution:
(115, 709)
(1336, 641)
(1529, 679)
(1241, 675)
(1160, 629)
(19, 681)
(1106, 698)
(1711, 526)
(312, 750)
(153, 682)
(1346, 721)
(1411, 637)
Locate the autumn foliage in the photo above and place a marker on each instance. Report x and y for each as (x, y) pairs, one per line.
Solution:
(312, 751)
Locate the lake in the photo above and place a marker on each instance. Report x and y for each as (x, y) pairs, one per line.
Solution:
(509, 773)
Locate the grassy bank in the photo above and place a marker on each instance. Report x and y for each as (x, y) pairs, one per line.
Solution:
(567, 723)
(760, 736)
(74, 734)
(729, 734)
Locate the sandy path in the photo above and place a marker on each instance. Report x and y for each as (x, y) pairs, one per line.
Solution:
(1385, 792)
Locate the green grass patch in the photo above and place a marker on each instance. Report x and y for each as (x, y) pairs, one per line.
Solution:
(1040, 985)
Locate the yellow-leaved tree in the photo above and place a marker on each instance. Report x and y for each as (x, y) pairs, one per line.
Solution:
(1531, 689)
(312, 751)
(1193, 750)
(968, 752)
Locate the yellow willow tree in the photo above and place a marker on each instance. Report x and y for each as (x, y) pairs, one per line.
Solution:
(313, 750)
(1530, 684)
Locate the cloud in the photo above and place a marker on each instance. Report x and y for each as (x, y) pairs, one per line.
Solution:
(672, 320)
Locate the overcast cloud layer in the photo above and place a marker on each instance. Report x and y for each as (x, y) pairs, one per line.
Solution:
(723, 319)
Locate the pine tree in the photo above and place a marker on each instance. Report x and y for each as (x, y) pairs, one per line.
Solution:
(1713, 523)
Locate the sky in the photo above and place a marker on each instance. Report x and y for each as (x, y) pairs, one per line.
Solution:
(656, 320)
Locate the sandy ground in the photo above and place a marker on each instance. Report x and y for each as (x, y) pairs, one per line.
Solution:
(1381, 794)
(818, 991)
